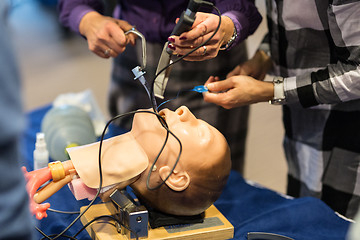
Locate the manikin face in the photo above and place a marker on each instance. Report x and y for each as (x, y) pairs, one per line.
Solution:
(199, 139)
(203, 166)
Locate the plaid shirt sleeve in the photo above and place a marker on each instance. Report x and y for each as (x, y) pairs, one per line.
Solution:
(339, 81)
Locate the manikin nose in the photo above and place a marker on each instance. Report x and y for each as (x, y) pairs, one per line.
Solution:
(185, 114)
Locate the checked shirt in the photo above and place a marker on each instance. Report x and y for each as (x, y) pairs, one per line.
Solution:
(315, 45)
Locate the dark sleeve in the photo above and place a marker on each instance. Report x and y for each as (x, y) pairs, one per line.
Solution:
(72, 11)
(244, 15)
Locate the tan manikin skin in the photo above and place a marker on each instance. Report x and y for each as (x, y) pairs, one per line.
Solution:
(193, 186)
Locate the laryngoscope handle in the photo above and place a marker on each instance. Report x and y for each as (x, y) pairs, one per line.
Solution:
(186, 20)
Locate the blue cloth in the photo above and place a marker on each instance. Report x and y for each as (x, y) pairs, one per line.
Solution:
(256, 209)
(249, 208)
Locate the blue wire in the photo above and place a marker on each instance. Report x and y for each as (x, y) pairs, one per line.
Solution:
(199, 89)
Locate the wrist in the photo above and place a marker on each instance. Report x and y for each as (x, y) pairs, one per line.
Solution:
(267, 92)
(279, 92)
(260, 91)
(84, 22)
(230, 32)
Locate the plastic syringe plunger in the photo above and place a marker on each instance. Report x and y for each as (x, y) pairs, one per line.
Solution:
(41, 154)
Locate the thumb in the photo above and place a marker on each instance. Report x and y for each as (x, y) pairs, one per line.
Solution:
(220, 86)
(124, 25)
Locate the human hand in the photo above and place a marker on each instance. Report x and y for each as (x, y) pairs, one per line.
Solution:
(204, 26)
(256, 67)
(34, 180)
(105, 35)
(237, 91)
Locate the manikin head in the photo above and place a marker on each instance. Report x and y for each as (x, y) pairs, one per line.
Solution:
(201, 172)
(196, 182)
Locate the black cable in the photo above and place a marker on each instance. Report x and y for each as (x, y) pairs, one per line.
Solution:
(99, 189)
(102, 139)
(163, 123)
(155, 110)
(177, 95)
(42, 233)
(106, 216)
(64, 212)
(49, 236)
(77, 218)
(65, 236)
(187, 54)
(100, 168)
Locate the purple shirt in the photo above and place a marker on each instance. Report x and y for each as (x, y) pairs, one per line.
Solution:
(156, 19)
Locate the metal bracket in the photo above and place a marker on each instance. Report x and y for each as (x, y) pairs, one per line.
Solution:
(133, 217)
(143, 44)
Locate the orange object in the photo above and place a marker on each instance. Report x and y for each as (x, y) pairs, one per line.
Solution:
(57, 170)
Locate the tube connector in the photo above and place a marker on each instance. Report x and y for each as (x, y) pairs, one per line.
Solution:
(57, 170)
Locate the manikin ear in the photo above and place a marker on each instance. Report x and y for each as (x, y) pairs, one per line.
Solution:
(178, 181)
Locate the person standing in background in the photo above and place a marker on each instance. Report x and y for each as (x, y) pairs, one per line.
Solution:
(315, 55)
(15, 220)
(156, 20)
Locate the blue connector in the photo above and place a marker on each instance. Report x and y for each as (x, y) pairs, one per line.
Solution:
(200, 89)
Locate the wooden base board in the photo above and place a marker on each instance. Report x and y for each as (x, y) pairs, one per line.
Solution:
(214, 227)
